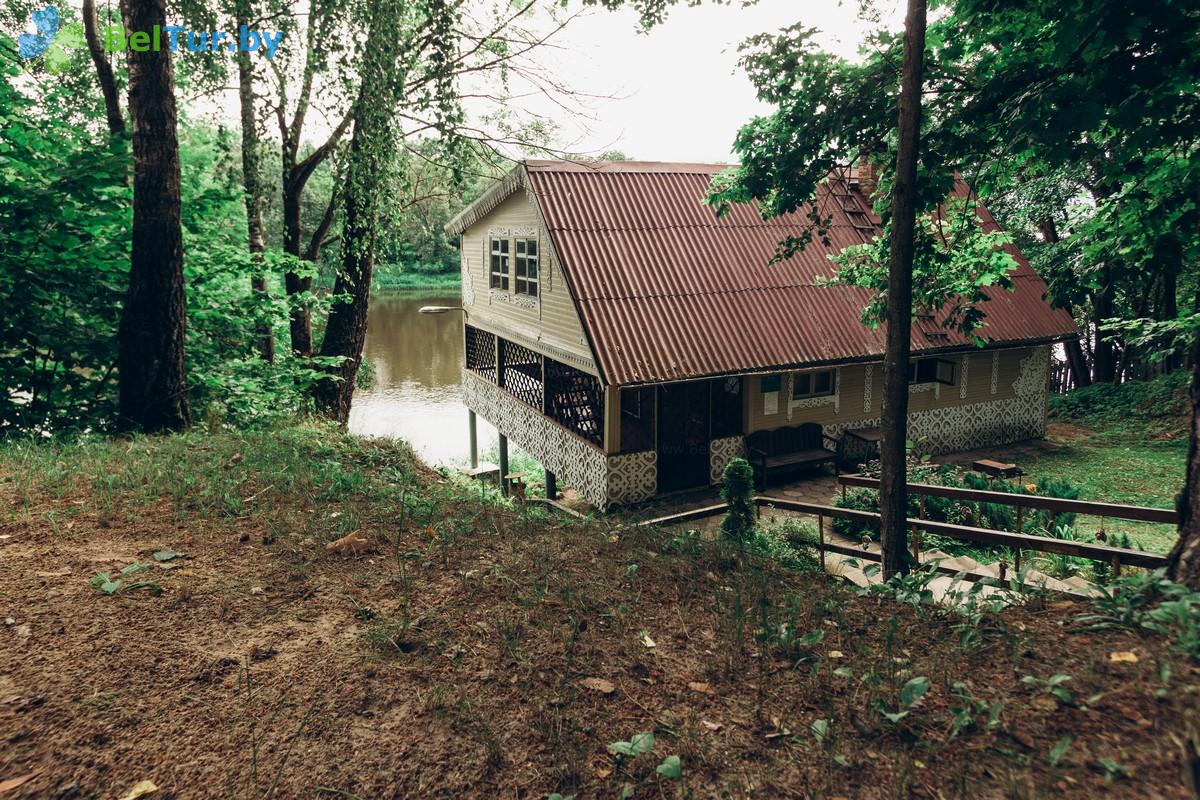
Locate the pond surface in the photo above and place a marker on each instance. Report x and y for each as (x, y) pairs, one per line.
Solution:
(417, 391)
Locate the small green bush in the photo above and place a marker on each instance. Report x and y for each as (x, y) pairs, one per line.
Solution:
(737, 489)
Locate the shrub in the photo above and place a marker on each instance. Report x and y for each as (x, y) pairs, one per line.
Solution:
(737, 489)
(1161, 398)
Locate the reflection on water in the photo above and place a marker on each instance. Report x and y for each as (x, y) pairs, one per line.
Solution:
(416, 396)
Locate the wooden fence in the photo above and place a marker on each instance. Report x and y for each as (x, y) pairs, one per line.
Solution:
(1116, 557)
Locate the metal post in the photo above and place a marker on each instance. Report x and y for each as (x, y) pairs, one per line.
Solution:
(503, 464)
(473, 439)
(551, 486)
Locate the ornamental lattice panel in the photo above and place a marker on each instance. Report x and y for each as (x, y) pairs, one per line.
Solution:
(481, 353)
(521, 373)
(575, 400)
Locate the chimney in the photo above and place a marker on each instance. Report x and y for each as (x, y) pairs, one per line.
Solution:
(867, 179)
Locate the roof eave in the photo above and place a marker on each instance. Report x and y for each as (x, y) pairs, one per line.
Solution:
(483, 205)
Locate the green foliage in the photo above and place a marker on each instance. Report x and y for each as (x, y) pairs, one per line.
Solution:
(1135, 403)
(737, 489)
(638, 744)
(64, 213)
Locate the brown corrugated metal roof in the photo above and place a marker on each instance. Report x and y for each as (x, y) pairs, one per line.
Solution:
(667, 291)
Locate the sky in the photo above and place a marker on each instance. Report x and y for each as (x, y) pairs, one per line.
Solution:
(678, 94)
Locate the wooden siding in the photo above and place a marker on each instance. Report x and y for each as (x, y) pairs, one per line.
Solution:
(850, 405)
(550, 323)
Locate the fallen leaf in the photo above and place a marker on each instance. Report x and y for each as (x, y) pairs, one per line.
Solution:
(603, 772)
(13, 783)
(835, 654)
(140, 789)
(700, 686)
(646, 640)
(1044, 702)
(349, 545)
(712, 726)
(1123, 657)
(598, 685)
(24, 630)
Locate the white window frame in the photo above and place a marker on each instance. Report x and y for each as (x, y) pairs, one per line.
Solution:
(523, 284)
(499, 263)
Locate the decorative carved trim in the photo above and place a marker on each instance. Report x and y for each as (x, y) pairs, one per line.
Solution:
(868, 377)
(499, 233)
(579, 464)
(525, 231)
(977, 425)
(834, 399)
(513, 299)
(721, 452)
(962, 377)
(632, 477)
(995, 371)
(468, 288)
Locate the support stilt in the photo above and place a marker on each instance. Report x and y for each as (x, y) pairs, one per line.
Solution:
(551, 486)
(474, 441)
(503, 464)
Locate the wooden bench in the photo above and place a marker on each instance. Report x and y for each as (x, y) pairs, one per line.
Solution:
(997, 469)
(785, 448)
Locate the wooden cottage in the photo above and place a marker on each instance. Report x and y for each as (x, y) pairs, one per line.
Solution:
(634, 343)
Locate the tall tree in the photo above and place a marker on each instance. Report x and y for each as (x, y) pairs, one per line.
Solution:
(152, 379)
(371, 145)
(1184, 560)
(252, 179)
(893, 472)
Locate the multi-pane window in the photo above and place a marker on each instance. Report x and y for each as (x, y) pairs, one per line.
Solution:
(931, 370)
(527, 267)
(499, 264)
(813, 384)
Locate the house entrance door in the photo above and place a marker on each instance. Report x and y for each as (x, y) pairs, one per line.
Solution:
(683, 436)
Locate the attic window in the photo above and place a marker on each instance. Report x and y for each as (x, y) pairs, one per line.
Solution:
(499, 264)
(527, 267)
(931, 370)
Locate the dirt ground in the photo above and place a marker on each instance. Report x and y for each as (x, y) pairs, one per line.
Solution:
(483, 652)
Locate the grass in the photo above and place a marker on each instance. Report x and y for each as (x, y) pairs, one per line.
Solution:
(417, 280)
(1119, 466)
(484, 649)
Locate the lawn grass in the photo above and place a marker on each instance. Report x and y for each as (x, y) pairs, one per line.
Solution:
(1119, 466)
(478, 648)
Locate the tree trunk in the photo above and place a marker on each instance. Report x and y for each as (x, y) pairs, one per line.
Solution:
(108, 84)
(252, 183)
(893, 473)
(1183, 564)
(152, 378)
(1104, 363)
(294, 283)
(1080, 373)
(346, 329)
(371, 144)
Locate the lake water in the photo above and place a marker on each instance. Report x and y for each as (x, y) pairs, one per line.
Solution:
(417, 394)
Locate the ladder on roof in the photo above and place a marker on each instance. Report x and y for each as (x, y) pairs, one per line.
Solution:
(852, 209)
